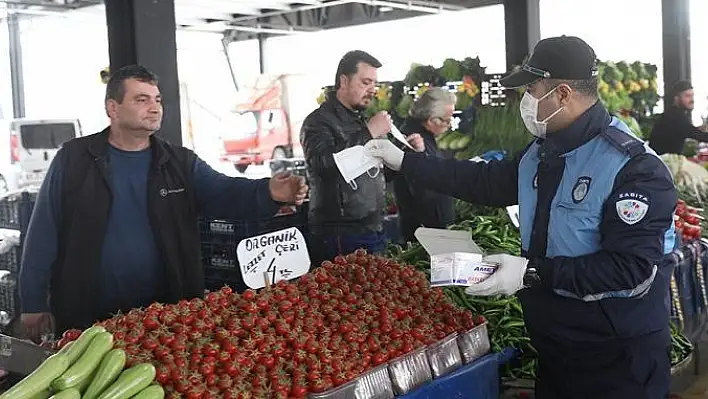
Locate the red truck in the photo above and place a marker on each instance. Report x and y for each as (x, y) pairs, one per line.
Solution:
(268, 123)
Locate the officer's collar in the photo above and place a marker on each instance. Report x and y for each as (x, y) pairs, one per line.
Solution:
(584, 129)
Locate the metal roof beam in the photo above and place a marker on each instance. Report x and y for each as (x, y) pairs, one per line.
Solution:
(418, 6)
(296, 9)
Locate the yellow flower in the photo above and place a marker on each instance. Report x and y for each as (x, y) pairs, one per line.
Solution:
(382, 93)
(322, 97)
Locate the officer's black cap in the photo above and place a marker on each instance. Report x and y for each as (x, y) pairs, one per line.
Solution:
(562, 57)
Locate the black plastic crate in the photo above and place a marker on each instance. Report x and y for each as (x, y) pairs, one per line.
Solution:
(219, 256)
(8, 294)
(11, 259)
(214, 279)
(231, 232)
(16, 209)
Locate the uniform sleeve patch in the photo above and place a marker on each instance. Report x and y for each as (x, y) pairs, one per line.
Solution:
(631, 210)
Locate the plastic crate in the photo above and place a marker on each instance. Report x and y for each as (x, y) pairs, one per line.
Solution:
(231, 232)
(15, 211)
(214, 279)
(686, 284)
(476, 380)
(8, 294)
(220, 238)
(11, 259)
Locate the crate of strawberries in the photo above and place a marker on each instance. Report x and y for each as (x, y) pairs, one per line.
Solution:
(687, 220)
(360, 325)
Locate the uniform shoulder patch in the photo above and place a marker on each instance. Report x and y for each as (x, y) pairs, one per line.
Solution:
(632, 207)
(623, 141)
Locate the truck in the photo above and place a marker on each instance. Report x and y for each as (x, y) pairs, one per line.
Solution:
(267, 125)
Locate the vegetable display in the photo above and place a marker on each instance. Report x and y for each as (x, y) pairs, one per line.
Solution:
(687, 221)
(681, 347)
(79, 367)
(495, 233)
(284, 341)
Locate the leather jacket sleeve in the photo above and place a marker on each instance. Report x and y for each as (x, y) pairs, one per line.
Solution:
(318, 144)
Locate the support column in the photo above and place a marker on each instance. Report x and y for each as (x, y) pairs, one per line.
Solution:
(522, 28)
(16, 76)
(676, 44)
(144, 32)
(262, 39)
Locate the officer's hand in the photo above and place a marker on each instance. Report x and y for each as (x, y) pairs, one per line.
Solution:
(380, 124)
(416, 141)
(288, 188)
(386, 151)
(506, 280)
(34, 325)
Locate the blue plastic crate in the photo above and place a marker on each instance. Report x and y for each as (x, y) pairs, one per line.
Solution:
(477, 380)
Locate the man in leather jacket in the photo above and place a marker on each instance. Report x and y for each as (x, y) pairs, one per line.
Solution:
(342, 216)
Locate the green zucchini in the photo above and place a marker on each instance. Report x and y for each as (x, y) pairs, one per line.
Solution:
(66, 347)
(151, 392)
(81, 343)
(40, 379)
(87, 363)
(109, 369)
(130, 382)
(71, 393)
(43, 394)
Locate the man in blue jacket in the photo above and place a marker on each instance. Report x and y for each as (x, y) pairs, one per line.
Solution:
(596, 208)
(115, 226)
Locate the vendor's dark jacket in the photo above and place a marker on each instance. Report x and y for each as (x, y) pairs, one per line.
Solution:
(418, 206)
(671, 131)
(335, 207)
(70, 230)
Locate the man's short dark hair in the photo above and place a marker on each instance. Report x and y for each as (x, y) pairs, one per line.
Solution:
(586, 87)
(681, 86)
(115, 88)
(349, 63)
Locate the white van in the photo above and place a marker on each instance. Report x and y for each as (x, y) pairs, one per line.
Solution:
(32, 144)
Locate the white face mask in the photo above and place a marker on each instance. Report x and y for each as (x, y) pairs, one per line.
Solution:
(353, 162)
(529, 114)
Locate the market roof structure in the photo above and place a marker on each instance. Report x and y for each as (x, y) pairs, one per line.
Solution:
(247, 19)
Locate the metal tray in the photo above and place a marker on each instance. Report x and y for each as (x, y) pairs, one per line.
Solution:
(409, 371)
(374, 384)
(444, 355)
(21, 357)
(474, 343)
(346, 391)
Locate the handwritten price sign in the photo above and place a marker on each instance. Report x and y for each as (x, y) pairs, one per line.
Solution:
(282, 255)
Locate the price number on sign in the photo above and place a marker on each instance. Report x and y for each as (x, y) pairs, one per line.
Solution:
(281, 255)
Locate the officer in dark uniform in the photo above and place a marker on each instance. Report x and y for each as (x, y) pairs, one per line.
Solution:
(596, 208)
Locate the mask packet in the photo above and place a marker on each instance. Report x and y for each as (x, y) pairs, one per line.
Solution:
(354, 162)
